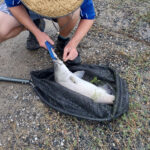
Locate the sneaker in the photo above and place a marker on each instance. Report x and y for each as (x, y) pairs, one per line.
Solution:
(76, 61)
(61, 43)
(32, 43)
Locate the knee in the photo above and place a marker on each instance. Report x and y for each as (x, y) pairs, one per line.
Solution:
(76, 14)
(3, 35)
(10, 33)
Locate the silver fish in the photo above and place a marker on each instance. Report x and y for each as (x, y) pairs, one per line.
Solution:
(74, 82)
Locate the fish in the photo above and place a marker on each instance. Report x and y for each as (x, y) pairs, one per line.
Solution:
(74, 82)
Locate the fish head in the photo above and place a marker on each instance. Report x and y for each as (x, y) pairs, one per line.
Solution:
(59, 67)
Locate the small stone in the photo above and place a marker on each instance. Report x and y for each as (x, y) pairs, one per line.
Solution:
(23, 109)
(62, 143)
(35, 138)
(16, 97)
(11, 87)
(17, 124)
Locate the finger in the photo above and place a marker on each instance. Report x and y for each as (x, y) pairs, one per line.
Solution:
(71, 56)
(65, 59)
(51, 41)
(44, 46)
(66, 52)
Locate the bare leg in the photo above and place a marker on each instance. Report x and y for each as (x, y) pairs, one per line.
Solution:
(9, 27)
(67, 23)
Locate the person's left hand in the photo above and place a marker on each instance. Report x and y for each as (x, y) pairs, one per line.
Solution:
(70, 52)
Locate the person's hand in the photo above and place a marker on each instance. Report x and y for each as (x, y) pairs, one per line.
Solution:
(70, 52)
(42, 38)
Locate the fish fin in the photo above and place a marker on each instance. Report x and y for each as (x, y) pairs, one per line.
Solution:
(79, 74)
(73, 79)
(94, 96)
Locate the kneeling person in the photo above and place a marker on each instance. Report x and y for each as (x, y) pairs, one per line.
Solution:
(16, 16)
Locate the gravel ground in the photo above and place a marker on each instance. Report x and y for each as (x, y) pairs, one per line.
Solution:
(119, 38)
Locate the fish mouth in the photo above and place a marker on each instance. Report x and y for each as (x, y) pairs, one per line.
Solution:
(57, 65)
(58, 62)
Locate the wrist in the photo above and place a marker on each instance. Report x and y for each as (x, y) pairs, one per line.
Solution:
(37, 34)
(74, 42)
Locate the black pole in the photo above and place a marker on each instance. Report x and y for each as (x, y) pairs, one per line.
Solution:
(7, 79)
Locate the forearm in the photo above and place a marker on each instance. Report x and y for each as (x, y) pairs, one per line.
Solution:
(22, 16)
(81, 31)
(70, 51)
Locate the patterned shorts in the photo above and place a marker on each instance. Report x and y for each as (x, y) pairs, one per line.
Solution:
(4, 8)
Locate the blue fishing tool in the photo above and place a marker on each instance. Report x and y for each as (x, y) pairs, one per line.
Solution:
(49, 47)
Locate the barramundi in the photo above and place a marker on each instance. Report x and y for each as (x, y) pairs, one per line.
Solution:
(74, 82)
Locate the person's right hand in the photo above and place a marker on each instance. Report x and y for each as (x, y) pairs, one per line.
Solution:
(42, 37)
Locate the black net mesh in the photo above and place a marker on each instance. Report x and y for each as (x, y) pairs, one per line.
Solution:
(72, 103)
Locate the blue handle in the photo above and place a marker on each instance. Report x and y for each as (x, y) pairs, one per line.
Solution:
(49, 47)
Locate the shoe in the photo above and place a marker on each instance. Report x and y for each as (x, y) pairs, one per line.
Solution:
(61, 43)
(76, 61)
(32, 43)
